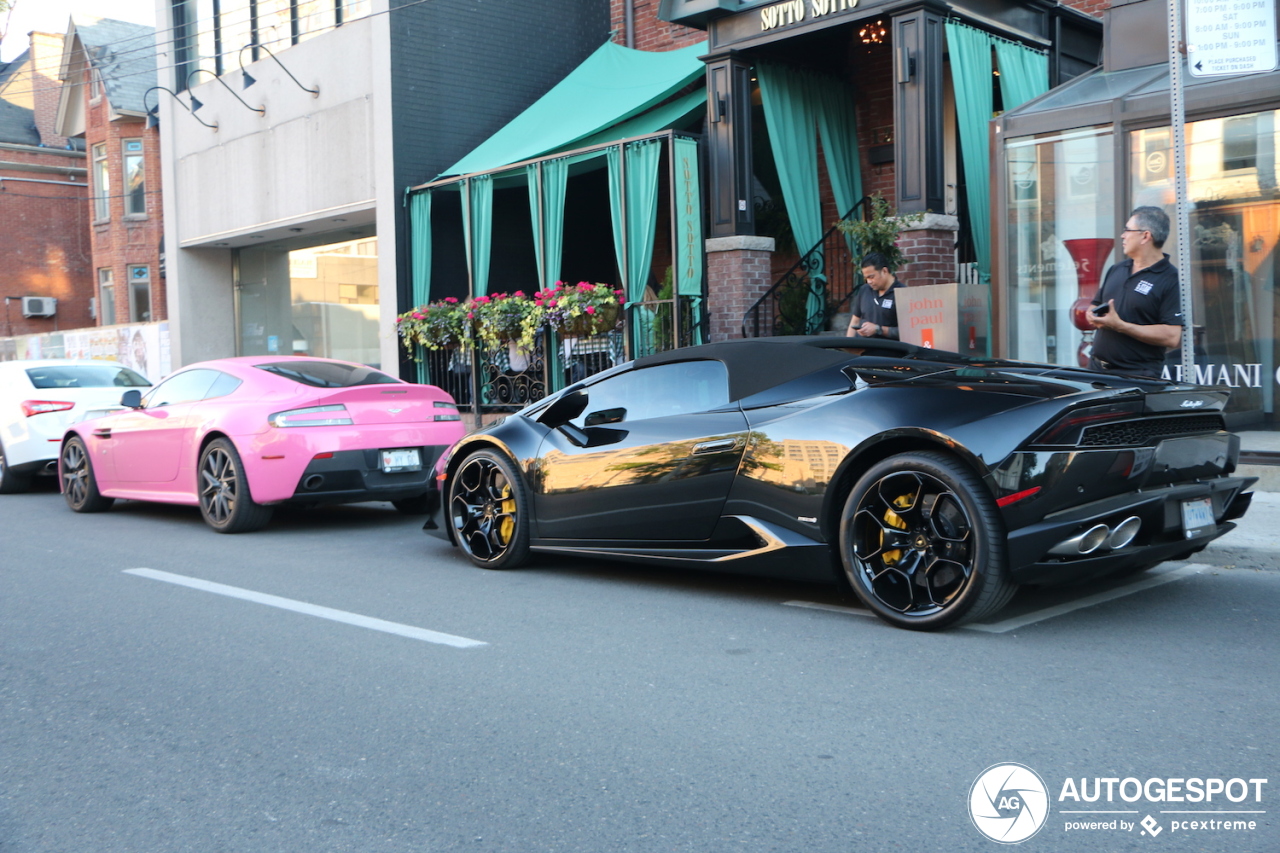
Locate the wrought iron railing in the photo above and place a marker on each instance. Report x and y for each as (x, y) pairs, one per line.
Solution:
(818, 287)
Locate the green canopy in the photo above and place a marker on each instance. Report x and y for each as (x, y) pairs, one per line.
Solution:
(609, 87)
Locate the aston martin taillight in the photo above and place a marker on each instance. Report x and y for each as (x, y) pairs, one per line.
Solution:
(335, 415)
(43, 407)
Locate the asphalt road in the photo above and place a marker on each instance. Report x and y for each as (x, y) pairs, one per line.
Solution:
(604, 708)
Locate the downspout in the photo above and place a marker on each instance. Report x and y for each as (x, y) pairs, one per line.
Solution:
(629, 15)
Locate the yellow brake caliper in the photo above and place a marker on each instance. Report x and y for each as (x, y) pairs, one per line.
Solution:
(901, 502)
(508, 525)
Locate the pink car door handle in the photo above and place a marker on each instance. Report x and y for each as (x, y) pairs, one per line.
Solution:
(102, 433)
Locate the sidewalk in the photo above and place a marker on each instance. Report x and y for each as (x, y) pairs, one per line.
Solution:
(1255, 543)
(1254, 444)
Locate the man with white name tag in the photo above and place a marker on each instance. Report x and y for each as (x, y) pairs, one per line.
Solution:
(875, 312)
(1137, 313)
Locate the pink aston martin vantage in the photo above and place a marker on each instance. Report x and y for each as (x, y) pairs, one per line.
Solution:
(236, 436)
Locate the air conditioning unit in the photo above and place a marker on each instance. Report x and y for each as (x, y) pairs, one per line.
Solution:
(39, 306)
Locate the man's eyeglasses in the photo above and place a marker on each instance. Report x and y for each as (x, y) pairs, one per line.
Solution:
(1133, 231)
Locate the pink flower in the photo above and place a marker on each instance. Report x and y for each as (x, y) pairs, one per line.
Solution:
(551, 303)
(470, 316)
(418, 316)
(451, 300)
(537, 302)
(591, 309)
(519, 293)
(618, 293)
(481, 300)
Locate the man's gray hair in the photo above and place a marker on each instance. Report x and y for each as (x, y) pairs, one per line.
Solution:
(1152, 219)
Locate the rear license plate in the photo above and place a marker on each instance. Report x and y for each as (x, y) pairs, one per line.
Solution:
(1197, 518)
(396, 461)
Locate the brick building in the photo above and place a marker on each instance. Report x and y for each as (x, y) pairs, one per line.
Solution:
(107, 68)
(44, 221)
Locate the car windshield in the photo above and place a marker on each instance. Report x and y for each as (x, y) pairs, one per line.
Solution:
(328, 374)
(85, 376)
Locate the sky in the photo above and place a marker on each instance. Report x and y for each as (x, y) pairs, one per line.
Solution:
(51, 16)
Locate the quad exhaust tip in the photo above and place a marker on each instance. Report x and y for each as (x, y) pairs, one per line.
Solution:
(1125, 532)
(1098, 537)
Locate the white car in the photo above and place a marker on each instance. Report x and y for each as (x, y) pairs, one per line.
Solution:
(39, 399)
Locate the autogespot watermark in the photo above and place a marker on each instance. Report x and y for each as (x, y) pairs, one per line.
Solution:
(1010, 803)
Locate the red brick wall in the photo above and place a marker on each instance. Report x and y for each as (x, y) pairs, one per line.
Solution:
(932, 254)
(736, 278)
(650, 33)
(119, 242)
(1089, 7)
(44, 236)
(871, 67)
(44, 250)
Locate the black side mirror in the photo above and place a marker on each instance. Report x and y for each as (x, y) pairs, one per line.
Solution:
(132, 399)
(564, 409)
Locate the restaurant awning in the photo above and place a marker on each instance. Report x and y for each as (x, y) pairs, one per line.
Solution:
(611, 86)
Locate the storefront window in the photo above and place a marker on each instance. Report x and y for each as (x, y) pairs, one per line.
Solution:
(320, 300)
(1235, 226)
(1061, 223)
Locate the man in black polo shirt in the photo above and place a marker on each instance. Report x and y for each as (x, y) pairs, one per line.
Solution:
(875, 310)
(1137, 311)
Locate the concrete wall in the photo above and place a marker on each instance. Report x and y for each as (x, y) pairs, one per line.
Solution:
(307, 161)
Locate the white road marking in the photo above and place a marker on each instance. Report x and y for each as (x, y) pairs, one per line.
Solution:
(310, 609)
(1153, 578)
(834, 608)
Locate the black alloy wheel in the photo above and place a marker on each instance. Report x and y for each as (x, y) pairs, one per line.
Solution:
(488, 511)
(79, 486)
(922, 543)
(225, 500)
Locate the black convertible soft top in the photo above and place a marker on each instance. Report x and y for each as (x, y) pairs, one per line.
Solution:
(758, 364)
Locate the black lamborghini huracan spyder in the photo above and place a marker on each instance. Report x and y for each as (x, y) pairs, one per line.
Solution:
(935, 483)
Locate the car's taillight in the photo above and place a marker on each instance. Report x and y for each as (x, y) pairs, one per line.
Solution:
(452, 415)
(1067, 429)
(312, 416)
(43, 407)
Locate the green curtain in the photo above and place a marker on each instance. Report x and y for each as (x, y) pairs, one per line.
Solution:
(420, 257)
(548, 235)
(970, 51)
(838, 125)
(789, 117)
(420, 246)
(477, 226)
(640, 195)
(1024, 73)
(687, 264)
(642, 212)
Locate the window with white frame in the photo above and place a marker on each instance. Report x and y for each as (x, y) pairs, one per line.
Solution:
(139, 294)
(135, 186)
(101, 184)
(106, 296)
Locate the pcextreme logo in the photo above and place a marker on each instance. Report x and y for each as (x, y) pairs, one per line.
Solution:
(1010, 803)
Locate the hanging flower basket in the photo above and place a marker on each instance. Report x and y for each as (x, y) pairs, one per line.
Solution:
(503, 318)
(605, 319)
(581, 310)
(435, 326)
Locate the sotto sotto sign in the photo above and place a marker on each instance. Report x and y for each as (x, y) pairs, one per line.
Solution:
(1231, 36)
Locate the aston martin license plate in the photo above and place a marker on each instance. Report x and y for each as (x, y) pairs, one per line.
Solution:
(396, 461)
(1197, 518)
